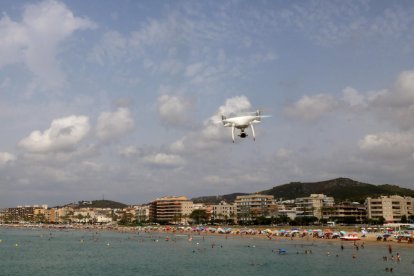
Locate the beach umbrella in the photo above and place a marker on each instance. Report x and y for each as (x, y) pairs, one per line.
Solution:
(342, 232)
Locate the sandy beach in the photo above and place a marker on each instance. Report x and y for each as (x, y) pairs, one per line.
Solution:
(369, 239)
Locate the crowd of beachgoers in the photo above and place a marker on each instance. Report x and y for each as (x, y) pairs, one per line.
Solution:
(365, 234)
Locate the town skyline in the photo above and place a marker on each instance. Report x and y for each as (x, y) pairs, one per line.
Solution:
(357, 191)
(123, 98)
(255, 208)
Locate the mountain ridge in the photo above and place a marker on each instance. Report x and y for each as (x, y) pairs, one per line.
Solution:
(342, 189)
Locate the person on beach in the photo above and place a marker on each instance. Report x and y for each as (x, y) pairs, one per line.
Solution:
(389, 249)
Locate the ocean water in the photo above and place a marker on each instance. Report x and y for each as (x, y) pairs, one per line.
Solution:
(80, 252)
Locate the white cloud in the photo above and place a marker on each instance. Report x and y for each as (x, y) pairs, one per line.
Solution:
(114, 124)
(400, 95)
(235, 105)
(396, 104)
(388, 145)
(63, 134)
(311, 108)
(6, 158)
(352, 97)
(174, 110)
(129, 151)
(165, 160)
(34, 41)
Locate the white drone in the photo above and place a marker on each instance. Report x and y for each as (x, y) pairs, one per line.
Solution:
(242, 122)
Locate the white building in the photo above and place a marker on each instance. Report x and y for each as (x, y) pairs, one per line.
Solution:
(224, 211)
(391, 208)
(142, 213)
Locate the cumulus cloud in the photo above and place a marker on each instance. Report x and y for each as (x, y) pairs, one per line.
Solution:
(174, 110)
(311, 108)
(401, 94)
(165, 160)
(63, 134)
(129, 151)
(34, 41)
(352, 97)
(397, 103)
(112, 125)
(388, 145)
(235, 105)
(6, 158)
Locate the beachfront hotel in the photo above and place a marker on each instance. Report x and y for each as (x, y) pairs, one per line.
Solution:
(250, 207)
(313, 205)
(171, 209)
(345, 212)
(391, 208)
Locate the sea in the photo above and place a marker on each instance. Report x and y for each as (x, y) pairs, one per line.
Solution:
(91, 252)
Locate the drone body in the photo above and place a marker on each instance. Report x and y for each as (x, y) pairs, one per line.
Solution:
(242, 122)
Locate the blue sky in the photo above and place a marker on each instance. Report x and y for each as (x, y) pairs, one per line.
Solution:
(120, 98)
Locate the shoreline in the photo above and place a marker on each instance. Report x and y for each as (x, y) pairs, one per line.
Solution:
(369, 240)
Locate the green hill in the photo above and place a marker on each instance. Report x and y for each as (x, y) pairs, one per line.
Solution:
(107, 204)
(216, 199)
(340, 188)
(97, 204)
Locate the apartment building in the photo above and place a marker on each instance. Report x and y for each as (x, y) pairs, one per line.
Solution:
(171, 209)
(391, 208)
(313, 205)
(345, 212)
(224, 211)
(249, 207)
(287, 208)
(142, 213)
(21, 213)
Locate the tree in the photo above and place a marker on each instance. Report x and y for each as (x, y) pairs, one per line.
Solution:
(262, 220)
(199, 216)
(349, 220)
(381, 220)
(126, 219)
(404, 219)
(305, 220)
(40, 218)
(79, 217)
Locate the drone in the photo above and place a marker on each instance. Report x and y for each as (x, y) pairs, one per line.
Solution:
(242, 122)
